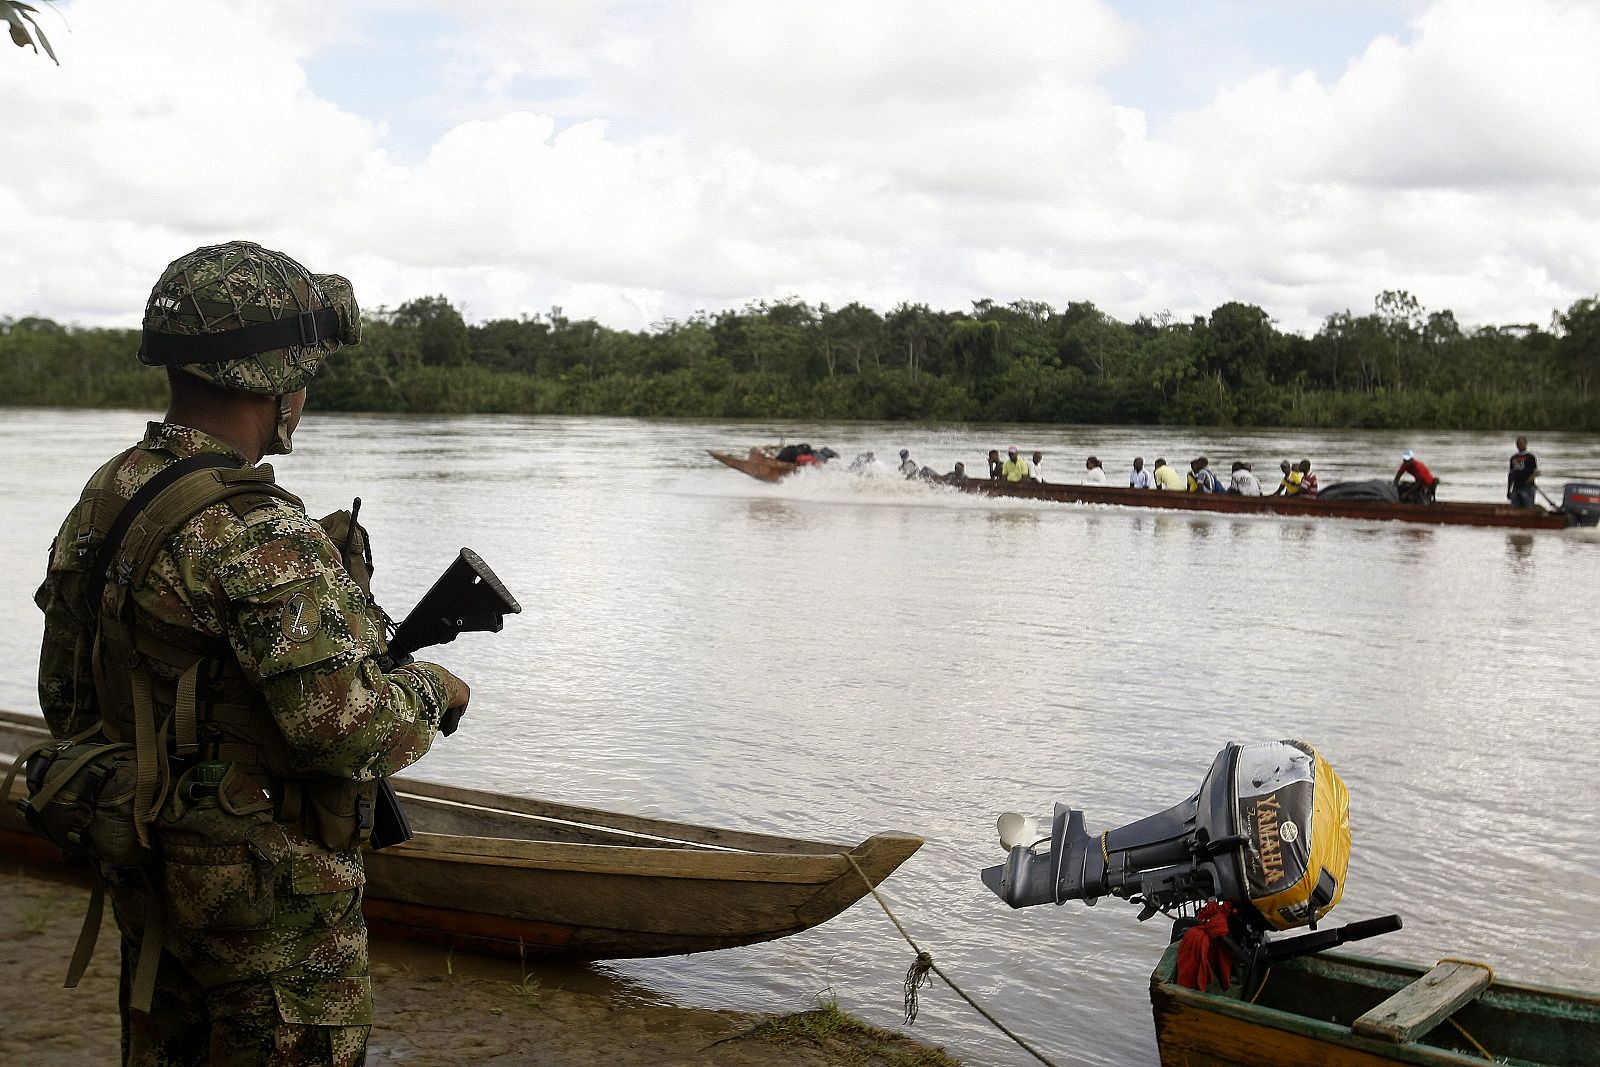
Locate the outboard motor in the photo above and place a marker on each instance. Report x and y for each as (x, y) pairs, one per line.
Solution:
(1268, 831)
(1581, 500)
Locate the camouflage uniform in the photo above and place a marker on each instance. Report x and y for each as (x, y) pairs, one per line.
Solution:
(264, 952)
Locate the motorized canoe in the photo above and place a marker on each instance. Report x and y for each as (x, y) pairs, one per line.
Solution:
(1349, 1011)
(516, 876)
(1448, 513)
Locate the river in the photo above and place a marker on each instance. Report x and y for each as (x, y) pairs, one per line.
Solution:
(834, 656)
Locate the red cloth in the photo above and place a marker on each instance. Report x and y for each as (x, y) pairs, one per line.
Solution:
(1202, 958)
(804, 459)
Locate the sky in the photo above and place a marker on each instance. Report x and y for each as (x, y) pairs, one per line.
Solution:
(641, 162)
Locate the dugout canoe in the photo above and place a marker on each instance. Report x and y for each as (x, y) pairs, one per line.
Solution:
(520, 877)
(758, 464)
(1334, 1010)
(1448, 513)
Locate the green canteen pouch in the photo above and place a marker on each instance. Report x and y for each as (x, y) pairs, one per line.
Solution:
(221, 856)
(81, 799)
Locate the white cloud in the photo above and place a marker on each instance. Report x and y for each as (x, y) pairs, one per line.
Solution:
(631, 161)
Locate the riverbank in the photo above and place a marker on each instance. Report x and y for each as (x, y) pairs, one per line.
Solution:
(434, 1008)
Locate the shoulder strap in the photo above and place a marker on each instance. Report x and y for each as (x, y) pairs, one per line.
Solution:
(171, 498)
(131, 510)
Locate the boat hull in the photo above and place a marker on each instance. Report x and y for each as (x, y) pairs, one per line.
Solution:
(522, 877)
(1442, 513)
(1305, 1008)
(757, 464)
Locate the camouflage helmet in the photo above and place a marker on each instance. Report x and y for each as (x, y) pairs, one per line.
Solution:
(245, 317)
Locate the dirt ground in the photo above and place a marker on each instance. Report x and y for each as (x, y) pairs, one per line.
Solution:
(433, 1009)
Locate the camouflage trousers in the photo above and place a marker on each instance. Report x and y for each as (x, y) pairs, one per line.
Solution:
(293, 992)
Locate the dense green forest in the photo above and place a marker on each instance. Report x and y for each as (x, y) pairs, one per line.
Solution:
(1399, 366)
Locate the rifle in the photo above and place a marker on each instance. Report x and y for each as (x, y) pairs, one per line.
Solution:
(467, 598)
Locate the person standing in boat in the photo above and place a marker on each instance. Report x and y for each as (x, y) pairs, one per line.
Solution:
(1015, 468)
(1243, 481)
(1520, 479)
(1093, 472)
(1423, 485)
(908, 467)
(1167, 478)
(1140, 478)
(1038, 462)
(242, 929)
(995, 467)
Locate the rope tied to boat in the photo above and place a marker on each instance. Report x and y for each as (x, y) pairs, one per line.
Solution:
(1471, 963)
(917, 975)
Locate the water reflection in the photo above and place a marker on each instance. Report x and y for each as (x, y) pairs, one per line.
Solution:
(1519, 549)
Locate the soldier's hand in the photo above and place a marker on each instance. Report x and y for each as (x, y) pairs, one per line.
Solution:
(457, 692)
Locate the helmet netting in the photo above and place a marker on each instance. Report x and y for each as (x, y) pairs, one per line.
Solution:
(229, 286)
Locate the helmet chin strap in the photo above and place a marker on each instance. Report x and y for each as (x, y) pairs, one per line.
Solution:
(281, 444)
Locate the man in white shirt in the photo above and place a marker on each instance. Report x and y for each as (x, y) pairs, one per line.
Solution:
(1038, 458)
(1140, 478)
(1244, 483)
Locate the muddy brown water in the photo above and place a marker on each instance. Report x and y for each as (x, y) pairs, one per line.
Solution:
(834, 656)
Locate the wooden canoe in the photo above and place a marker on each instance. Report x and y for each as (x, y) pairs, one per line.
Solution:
(521, 877)
(1334, 1010)
(1448, 513)
(757, 464)
(1443, 512)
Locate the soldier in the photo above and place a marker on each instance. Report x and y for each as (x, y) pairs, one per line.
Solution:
(239, 658)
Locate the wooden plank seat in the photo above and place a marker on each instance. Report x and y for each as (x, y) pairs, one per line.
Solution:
(1425, 1003)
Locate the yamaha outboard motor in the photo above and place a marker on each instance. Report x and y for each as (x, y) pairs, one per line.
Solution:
(1267, 836)
(1582, 501)
(1269, 832)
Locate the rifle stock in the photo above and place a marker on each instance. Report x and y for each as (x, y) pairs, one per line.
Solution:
(467, 598)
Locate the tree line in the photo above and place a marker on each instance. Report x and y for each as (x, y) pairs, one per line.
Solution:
(1398, 366)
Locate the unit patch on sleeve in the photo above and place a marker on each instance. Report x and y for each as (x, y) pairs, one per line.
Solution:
(299, 618)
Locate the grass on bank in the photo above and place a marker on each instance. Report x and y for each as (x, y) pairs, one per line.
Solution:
(849, 1041)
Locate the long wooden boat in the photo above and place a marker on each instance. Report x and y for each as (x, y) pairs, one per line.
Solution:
(1449, 513)
(521, 877)
(759, 464)
(1334, 1010)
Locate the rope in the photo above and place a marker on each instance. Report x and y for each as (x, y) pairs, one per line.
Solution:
(1471, 963)
(1485, 1053)
(1262, 987)
(1462, 1030)
(917, 975)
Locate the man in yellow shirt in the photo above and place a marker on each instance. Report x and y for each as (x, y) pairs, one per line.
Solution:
(1015, 468)
(1167, 478)
(1293, 481)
